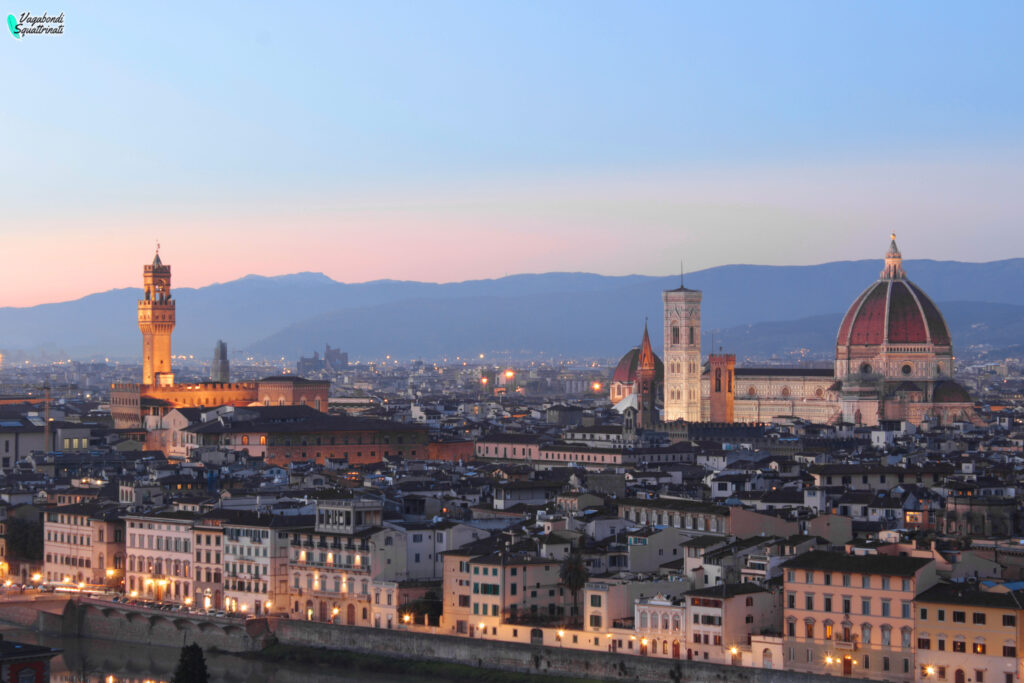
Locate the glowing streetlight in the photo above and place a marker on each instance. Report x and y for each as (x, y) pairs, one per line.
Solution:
(406, 618)
(929, 671)
(597, 386)
(110, 573)
(828, 659)
(734, 650)
(509, 374)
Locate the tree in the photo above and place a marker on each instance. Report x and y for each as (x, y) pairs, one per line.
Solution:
(573, 575)
(191, 666)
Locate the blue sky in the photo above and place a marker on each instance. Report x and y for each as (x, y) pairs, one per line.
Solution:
(451, 140)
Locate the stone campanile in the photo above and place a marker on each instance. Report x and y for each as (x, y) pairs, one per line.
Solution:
(156, 322)
(682, 354)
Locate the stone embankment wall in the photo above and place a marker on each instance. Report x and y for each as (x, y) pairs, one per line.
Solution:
(151, 627)
(109, 621)
(525, 658)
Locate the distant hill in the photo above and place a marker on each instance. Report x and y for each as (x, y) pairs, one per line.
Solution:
(978, 328)
(752, 310)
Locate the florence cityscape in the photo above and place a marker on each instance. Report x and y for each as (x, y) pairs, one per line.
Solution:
(456, 341)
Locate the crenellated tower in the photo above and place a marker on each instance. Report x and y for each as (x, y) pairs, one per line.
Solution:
(156, 322)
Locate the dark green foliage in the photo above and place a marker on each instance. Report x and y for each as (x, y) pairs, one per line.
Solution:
(191, 666)
(573, 575)
(24, 539)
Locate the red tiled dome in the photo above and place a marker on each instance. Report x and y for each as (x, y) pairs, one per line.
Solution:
(949, 391)
(893, 311)
(625, 371)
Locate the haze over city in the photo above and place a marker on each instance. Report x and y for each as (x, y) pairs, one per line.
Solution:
(451, 141)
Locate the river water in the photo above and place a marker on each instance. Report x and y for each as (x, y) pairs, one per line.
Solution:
(85, 660)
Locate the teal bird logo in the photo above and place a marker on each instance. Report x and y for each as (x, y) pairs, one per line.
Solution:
(12, 23)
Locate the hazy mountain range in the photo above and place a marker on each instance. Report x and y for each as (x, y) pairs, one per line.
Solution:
(749, 310)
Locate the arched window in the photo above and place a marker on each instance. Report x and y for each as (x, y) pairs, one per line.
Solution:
(865, 634)
(643, 620)
(886, 634)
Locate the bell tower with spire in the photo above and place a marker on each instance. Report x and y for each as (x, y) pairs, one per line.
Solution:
(156, 322)
(683, 365)
(646, 384)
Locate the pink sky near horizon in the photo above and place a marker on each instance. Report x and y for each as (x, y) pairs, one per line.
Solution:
(644, 224)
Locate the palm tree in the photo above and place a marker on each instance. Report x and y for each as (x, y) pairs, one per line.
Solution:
(573, 576)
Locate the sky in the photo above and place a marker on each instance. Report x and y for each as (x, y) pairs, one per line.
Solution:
(444, 141)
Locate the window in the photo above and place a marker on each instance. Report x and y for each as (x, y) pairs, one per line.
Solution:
(846, 580)
(865, 606)
(978, 618)
(959, 646)
(809, 576)
(924, 643)
(1009, 651)
(1009, 620)
(885, 663)
(791, 600)
(885, 583)
(595, 620)
(865, 582)
(828, 579)
(595, 600)
(828, 603)
(809, 601)
(979, 647)
(924, 612)
(846, 605)
(959, 617)
(940, 615)
(809, 628)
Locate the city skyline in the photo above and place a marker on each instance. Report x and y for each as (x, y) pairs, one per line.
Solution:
(458, 142)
